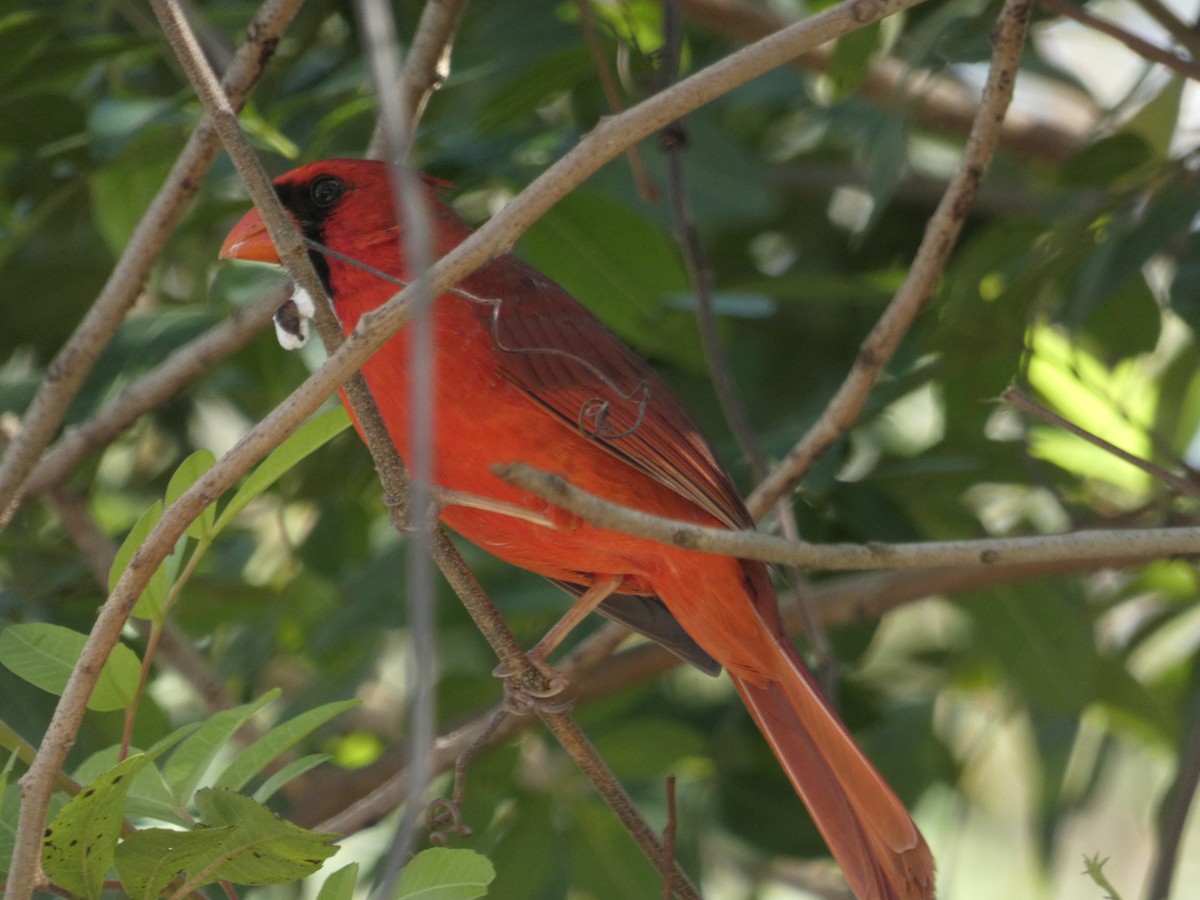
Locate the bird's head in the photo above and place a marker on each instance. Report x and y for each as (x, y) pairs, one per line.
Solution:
(338, 203)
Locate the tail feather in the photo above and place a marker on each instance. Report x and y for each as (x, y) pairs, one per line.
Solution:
(872, 836)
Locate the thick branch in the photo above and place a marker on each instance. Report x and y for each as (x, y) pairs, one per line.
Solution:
(1143, 543)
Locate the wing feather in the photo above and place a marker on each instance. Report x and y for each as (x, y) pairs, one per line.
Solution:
(551, 347)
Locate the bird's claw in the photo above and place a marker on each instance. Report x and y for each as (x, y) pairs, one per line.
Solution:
(402, 517)
(444, 817)
(520, 699)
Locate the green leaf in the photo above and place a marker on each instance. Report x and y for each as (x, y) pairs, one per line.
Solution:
(120, 195)
(1105, 161)
(11, 810)
(1038, 632)
(443, 874)
(81, 842)
(851, 59)
(259, 848)
(149, 795)
(278, 740)
(185, 476)
(292, 770)
(1157, 121)
(309, 437)
(150, 603)
(191, 760)
(150, 859)
(340, 885)
(45, 654)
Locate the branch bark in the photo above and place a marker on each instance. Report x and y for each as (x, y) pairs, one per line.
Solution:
(75, 360)
(1142, 543)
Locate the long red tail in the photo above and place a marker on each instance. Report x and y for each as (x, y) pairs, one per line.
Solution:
(872, 836)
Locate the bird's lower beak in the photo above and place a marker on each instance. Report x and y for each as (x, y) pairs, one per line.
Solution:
(249, 240)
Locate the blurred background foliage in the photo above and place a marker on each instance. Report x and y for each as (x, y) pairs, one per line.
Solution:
(1027, 724)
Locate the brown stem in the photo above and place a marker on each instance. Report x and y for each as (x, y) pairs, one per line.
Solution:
(164, 381)
(1142, 543)
(673, 141)
(1018, 399)
(645, 187)
(941, 233)
(1143, 48)
(428, 62)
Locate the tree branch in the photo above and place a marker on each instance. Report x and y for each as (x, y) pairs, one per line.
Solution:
(941, 233)
(75, 360)
(427, 64)
(1142, 543)
(189, 362)
(1143, 48)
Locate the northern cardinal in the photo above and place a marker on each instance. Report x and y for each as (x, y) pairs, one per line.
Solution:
(525, 373)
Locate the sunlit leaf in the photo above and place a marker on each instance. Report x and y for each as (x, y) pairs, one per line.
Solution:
(340, 885)
(192, 758)
(443, 874)
(186, 474)
(80, 844)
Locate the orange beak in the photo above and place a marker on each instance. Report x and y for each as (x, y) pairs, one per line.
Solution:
(249, 240)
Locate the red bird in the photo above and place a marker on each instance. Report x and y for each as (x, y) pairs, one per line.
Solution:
(525, 373)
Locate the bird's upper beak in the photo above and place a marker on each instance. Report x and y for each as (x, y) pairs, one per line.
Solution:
(249, 240)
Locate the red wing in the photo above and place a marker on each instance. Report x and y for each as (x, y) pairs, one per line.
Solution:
(550, 346)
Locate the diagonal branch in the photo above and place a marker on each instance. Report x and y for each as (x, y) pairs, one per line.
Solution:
(75, 360)
(941, 233)
(427, 64)
(164, 381)
(1142, 47)
(937, 101)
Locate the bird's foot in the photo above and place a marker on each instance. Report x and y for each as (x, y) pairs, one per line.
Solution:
(402, 516)
(524, 694)
(444, 818)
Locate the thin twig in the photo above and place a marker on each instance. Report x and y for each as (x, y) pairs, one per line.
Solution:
(416, 248)
(1178, 805)
(1142, 47)
(669, 832)
(75, 360)
(180, 368)
(941, 233)
(1174, 26)
(427, 64)
(608, 139)
(673, 140)
(1144, 543)
(641, 179)
(1018, 399)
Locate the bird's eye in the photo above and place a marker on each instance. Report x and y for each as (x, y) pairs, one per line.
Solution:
(327, 190)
